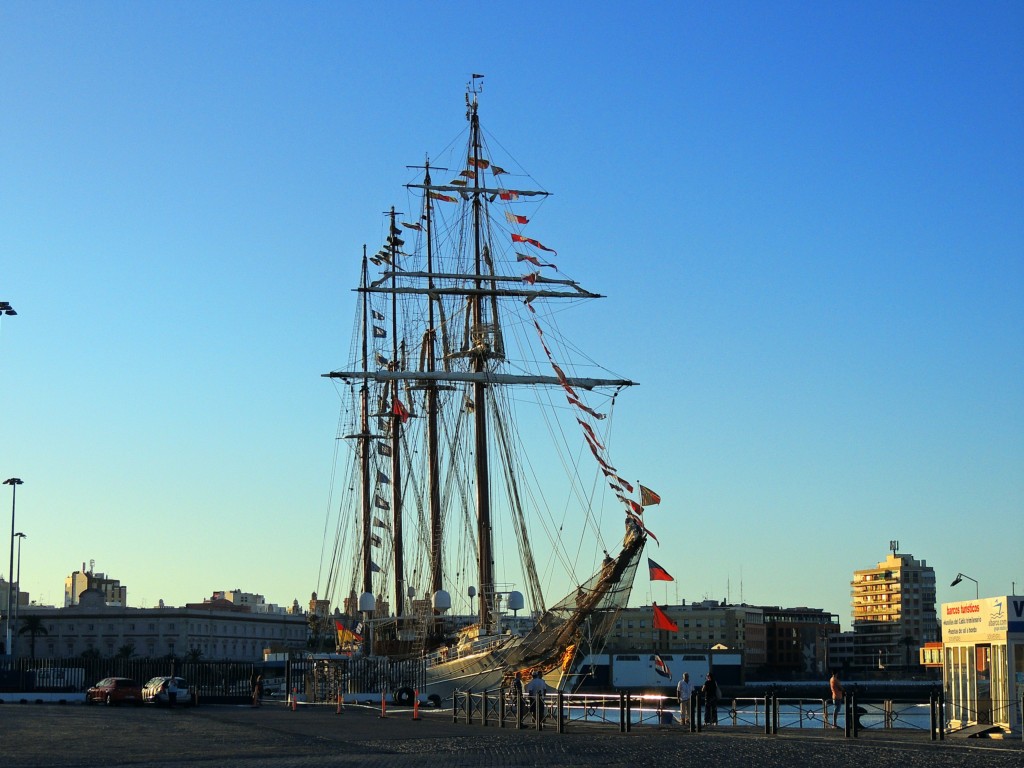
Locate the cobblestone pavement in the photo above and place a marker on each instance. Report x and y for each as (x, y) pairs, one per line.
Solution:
(272, 736)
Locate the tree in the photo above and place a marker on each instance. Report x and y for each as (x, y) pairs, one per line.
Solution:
(194, 654)
(126, 651)
(32, 626)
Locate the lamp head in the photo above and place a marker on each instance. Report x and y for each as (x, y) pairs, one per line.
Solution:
(12, 481)
(957, 580)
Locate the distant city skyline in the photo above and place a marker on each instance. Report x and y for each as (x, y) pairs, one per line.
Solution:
(807, 221)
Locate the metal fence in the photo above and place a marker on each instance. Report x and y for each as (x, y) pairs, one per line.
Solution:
(504, 707)
(214, 681)
(322, 681)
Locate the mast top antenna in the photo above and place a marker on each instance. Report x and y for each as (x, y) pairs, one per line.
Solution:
(475, 86)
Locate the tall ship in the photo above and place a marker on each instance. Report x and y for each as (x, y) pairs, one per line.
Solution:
(474, 475)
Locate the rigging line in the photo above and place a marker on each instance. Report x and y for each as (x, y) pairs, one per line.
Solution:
(518, 518)
(330, 497)
(486, 138)
(339, 540)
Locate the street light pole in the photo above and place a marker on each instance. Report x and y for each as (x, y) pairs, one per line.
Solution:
(14, 482)
(19, 536)
(960, 577)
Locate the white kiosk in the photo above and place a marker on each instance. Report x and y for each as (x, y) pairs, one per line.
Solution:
(983, 669)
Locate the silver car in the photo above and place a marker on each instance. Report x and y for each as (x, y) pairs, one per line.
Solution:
(155, 691)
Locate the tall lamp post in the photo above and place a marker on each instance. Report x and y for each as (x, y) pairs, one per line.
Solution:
(960, 577)
(19, 536)
(14, 482)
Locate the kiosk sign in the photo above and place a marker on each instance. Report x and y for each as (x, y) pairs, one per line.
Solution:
(975, 621)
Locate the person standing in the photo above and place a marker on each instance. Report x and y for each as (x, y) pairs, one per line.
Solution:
(710, 692)
(172, 692)
(837, 696)
(684, 689)
(535, 690)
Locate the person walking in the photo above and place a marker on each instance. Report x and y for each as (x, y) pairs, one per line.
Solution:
(836, 686)
(684, 689)
(257, 691)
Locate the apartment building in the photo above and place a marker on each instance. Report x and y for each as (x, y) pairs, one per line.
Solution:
(893, 613)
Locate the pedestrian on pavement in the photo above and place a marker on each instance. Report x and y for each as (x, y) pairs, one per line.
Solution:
(684, 689)
(836, 686)
(711, 694)
(257, 691)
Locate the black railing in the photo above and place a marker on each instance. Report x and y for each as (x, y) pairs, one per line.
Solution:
(214, 681)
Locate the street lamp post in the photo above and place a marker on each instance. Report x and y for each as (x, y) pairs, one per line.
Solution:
(14, 482)
(19, 536)
(960, 577)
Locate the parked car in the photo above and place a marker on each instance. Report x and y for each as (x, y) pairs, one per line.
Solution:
(115, 690)
(155, 691)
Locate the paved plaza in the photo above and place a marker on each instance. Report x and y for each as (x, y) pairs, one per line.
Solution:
(273, 736)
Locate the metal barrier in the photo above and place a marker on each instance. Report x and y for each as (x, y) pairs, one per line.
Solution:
(506, 707)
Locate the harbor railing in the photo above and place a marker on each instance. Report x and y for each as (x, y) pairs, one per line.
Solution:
(506, 707)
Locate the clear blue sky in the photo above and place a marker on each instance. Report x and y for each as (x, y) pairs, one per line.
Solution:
(808, 219)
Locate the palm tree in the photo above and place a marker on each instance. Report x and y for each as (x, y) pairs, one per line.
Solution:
(126, 651)
(32, 626)
(194, 654)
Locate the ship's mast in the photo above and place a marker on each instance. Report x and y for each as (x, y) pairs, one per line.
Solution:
(364, 440)
(394, 243)
(480, 348)
(433, 453)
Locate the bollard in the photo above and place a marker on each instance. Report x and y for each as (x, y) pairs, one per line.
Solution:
(538, 709)
(294, 697)
(629, 713)
(483, 707)
(383, 705)
(337, 711)
(501, 707)
(700, 710)
(622, 713)
(416, 705)
(519, 708)
(933, 728)
(767, 713)
(856, 714)
(775, 713)
(941, 708)
(455, 706)
(847, 719)
(559, 720)
(694, 708)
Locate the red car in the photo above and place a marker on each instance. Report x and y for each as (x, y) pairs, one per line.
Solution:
(115, 690)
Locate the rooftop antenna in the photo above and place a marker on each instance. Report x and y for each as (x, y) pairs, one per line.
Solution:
(894, 545)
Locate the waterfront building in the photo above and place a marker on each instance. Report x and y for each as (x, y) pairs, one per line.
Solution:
(983, 670)
(893, 613)
(840, 651)
(797, 641)
(212, 630)
(700, 627)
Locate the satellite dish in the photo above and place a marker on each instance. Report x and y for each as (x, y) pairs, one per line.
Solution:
(442, 601)
(366, 602)
(515, 601)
